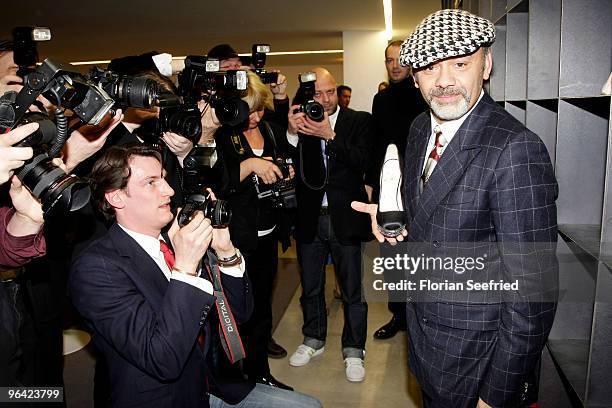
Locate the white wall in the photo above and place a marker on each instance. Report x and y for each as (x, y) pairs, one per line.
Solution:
(364, 67)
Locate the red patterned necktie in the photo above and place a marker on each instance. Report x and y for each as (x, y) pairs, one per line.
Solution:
(168, 254)
(434, 156)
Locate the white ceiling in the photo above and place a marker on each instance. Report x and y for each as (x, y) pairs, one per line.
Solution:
(91, 30)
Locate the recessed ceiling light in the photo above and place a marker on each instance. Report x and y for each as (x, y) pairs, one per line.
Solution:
(388, 10)
(99, 62)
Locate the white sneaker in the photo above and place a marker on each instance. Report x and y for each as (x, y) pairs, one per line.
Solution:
(303, 354)
(355, 371)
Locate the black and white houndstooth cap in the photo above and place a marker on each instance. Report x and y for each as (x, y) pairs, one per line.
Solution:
(445, 34)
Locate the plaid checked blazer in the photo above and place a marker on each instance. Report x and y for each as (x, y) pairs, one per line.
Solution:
(493, 187)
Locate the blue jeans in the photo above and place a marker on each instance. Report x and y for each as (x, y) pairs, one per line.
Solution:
(347, 262)
(264, 396)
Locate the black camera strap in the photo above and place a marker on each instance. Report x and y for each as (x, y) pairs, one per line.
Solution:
(230, 338)
(326, 165)
(272, 139)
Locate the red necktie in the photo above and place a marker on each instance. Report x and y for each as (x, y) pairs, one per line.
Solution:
(434, 156)
(168, 254)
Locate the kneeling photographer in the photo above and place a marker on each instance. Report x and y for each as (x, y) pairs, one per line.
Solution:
(260, 194)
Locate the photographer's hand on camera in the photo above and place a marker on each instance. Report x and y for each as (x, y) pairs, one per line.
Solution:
(210, 122)
(321, 129)
(266, 170)
(190, 243)
(86, 141)
(180, 146)
(296, 119)
(12, 158)
(279, 89)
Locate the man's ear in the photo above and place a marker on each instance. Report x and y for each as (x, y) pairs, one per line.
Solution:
(416, 84)
(115, 199)
(488, 65)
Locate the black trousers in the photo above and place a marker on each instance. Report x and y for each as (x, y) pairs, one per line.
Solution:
(262, 266)
(312, 257)
(14, 319)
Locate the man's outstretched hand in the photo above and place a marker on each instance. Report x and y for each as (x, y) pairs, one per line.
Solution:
(372, 209)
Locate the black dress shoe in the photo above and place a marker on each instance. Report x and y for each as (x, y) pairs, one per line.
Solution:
(390, 329)
(272, 382)
(275, 350)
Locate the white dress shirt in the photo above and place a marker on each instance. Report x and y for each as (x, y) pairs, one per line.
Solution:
(152, 248)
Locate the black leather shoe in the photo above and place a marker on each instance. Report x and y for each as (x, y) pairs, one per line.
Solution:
(275, 350)
(273, 382)
(390, 329)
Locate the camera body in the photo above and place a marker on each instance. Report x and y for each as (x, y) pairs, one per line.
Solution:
(202, 80)
(183, 119)
(258, 59)
(313, 109)
(282, 192)
(199, 171)
(56, 190)
(198, 174)
(217, 211)
(65, 89)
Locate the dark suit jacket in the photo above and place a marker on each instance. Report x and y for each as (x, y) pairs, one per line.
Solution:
(349, 155)
(494, 187)
(145, 326)
(393, 111)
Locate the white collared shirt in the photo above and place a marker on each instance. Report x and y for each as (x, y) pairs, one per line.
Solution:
(152, 248)
(448, 129)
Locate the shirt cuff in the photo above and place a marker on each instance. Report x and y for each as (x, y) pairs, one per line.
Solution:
(293, 139)
(235, 271)
(199, 283)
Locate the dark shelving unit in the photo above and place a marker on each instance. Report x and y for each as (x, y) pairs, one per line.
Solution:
(550, 61)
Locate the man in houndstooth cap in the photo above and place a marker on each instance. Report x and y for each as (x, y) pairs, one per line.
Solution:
(474, 177)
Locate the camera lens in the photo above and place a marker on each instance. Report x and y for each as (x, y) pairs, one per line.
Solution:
(218, 212)
(186, 124)
(136, 92)
(231, 111)
(57, 191)
(315, 111)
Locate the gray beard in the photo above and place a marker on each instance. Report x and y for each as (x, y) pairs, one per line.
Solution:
(450, 111)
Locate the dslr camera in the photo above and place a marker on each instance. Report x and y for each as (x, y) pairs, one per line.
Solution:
(199, 171)
(65, 89)
(198, 174)
(282, 192)
(217, 211)
(313, 109)
(202, 80)
(258, 59)
(183, 119)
